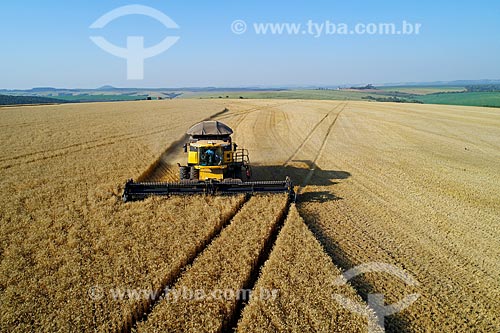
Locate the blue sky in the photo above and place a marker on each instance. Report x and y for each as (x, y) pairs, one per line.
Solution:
(47, 43)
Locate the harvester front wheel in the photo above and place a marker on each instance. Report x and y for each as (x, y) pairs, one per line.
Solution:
(194, 173)
(183, 172)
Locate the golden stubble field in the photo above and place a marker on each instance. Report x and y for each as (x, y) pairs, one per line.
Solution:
(413, 186)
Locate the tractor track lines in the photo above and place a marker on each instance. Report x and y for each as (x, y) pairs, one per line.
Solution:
(302, 144)
(253, 109)
(310, 134)
(243, 114)
(246, 113)
(274, 121)
(320, 151)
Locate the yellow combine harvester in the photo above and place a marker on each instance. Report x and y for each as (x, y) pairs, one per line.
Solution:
(213, 155)
(215, 165)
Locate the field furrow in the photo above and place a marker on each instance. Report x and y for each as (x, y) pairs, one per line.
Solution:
(311, 133)
(207, 295)
(305, 280)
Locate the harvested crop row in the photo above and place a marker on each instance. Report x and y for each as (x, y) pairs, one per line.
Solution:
(210, 287)
(306, 279)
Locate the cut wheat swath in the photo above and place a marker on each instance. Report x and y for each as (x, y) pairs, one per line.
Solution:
(306, 279)
(220, 272)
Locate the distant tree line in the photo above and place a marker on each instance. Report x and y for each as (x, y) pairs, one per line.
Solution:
(483, 88)
(393, 99)
(367, 87)
(16, 100)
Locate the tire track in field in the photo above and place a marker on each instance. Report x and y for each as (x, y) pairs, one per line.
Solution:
(246, 113)
(310, 134)
(313, 166)
(320, 151)
(255, 108)
(317, 233)
(272, 124)
(243, 114)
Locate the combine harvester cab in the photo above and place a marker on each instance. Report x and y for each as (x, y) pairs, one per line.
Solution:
(215, 165)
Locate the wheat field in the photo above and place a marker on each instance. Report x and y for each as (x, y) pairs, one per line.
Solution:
(412, 186)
